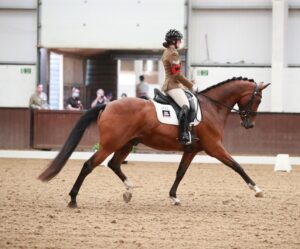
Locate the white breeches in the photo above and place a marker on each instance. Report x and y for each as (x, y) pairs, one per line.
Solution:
(179, 97)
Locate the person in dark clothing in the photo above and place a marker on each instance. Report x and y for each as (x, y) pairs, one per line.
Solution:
(74, 103)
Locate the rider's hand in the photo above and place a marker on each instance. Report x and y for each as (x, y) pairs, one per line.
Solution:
(195, 88)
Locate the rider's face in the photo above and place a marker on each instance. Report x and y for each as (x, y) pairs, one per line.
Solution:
(180, 44)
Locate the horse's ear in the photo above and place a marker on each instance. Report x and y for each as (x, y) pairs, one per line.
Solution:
(263, 85)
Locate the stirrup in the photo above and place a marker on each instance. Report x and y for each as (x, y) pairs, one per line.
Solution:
(188, 142)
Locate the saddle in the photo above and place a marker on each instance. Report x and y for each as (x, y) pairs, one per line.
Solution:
(164, 99)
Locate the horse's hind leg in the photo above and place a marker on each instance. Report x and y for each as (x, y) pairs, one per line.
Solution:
(115, 165)
(87, 168)
(222, 155)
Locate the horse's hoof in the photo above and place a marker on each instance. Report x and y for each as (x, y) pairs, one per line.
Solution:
(175, 201)
(72, 204)
(127, 196)
(258, 191)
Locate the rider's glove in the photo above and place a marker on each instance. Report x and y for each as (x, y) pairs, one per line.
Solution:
(195, 88)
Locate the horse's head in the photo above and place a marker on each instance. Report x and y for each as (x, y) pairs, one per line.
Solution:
(248, 105)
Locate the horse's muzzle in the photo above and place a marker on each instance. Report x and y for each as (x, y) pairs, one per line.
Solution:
(247, 124)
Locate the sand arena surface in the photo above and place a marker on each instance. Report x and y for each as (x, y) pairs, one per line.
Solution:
(218, 210)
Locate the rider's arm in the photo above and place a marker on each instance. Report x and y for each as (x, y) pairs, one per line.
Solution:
(176, 72)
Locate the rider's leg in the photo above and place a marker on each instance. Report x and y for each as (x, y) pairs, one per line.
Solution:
(184, 125)
(180, 98)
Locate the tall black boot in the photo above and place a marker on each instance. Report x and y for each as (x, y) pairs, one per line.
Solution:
(184, 135)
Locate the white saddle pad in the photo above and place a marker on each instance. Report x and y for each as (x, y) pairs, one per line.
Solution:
(167, 115)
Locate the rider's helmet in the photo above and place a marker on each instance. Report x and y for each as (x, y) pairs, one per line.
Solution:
(172, 36)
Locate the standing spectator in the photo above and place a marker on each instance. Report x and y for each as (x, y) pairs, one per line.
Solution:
(74, 103)
(142, 88)
(38, 100)
(100, 99)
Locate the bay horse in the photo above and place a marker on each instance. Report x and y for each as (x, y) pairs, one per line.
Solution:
(124, 123)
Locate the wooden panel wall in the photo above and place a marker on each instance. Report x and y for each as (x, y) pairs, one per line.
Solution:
(52, 128)
(74, 72)
(14, 128)
(273, 134)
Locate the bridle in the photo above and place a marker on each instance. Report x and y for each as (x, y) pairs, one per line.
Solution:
(243, 111)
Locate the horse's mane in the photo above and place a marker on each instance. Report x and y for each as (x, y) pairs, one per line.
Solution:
(226, 81)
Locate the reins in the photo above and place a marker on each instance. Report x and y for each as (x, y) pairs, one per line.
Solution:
(219, 103)
(244, 112)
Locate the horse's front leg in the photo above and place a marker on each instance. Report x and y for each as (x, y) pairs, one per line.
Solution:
(183, 166)
(222, 155)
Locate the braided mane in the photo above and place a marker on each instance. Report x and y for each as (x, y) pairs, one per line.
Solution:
(226, 81)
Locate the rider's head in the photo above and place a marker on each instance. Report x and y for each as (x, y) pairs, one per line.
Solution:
(173, 37)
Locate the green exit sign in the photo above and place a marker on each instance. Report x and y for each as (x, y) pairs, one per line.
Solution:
(25, 70)
(202, 72)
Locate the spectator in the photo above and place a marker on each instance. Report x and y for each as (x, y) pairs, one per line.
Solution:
(74, 103)
(142, 88)
(100, 99)
(38, 100)
(123, 95)
(109, 97)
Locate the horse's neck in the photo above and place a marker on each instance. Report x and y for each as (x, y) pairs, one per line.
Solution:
(228, 95)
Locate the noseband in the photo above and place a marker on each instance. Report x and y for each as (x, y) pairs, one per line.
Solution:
(244, 111)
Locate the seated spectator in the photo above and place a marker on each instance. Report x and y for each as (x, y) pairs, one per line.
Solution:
(74, 103)
(100, 99)
(38, 100)
(123, 95)
(109, 97)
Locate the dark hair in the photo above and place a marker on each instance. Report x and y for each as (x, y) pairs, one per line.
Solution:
(142, 77)
(172, 36)
(166, 44)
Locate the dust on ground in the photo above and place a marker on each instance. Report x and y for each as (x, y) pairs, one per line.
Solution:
(218, 210)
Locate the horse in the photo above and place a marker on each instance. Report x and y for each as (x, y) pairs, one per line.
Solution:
(126, 122)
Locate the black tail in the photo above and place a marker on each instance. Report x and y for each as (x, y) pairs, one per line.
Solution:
(74, 138)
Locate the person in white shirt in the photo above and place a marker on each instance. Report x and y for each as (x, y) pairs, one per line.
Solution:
(142, 88)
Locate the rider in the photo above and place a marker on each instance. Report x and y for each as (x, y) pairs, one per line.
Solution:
(175, 82)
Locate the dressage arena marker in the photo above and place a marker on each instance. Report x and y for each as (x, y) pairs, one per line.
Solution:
(145, 157)
(283, 163)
